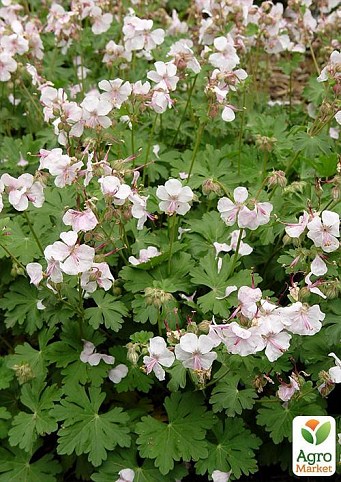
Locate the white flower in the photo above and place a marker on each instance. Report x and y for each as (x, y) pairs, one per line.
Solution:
(126, 475)
(294, 230)
(80, 220)
(23, 190)
(7, 66)
(98, 275)
(116, 91)
(287, 390)
(159, 356)
(118, 373)
(174, 197)
(323, 232)
(35, 272)
(75, 258)
(228, 114)
(100, 22)
(229, 210)
(302, 319)
(219, 476)
(95, 110)
(144, 255)
(112, 186)
(89, 355)
(335, 372)
(318, 267)
(226, 59)
(195, 352)
(164, 76)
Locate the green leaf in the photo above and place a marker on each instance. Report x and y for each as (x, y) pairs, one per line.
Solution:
(277, 417)
(227, 396)
(85, 431)
(4, 417)
(27, 426)
(6, 374)
(183, 437)
(311, 146)
(20, 305)
(109, 311)
(233, 449)
(322, 433)
(16, 466)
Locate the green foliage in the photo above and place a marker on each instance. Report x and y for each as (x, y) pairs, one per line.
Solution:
(227, 396)
(183, 437)
(108, 311)
(84, 430)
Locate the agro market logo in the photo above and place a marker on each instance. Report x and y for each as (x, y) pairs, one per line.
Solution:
(315, 433)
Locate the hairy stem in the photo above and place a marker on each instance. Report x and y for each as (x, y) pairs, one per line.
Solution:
(190, 92)
(34, 234)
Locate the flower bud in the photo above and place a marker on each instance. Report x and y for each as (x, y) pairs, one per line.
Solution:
(335, 193)
(133, 353)
(332, 289)
(204, 326)
(277, 178)
(23, 372)
(192, 327)
(259, 382)
(157, 297)
(265, 143)
(209, 185)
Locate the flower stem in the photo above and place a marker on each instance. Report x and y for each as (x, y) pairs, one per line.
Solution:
(151, 136)
(34, 234)
(172, 222)
(314, 59)
(235, 257)
(196, 147)
(190, 92)
(14, 258)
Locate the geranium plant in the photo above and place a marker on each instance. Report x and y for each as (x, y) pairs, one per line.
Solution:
(169, 243)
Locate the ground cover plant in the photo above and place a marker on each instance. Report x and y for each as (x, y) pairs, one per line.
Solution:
(169, 236)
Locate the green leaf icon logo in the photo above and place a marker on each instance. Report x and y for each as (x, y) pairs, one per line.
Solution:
(322, 433)
(307, 436)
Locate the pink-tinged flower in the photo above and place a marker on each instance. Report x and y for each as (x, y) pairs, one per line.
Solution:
(111, 186)
(228, 114)
(160, 101)
(276, 340)
(7, 66)
(126, 475)
(159, 356)
(139, 210)
(116, 91)
(337, 117)
(238, 340)
(115, 52)
(164, 77)
(313, 286)
(138, 34)
(89, 355)
(35, 272)
(23, 190)
(98, 276)
(226, 58)
(229, 210)
(53, 270)
(2, 188)
(335, 372)
(140, 88)
(174, 197)
(14, 44)
(332, 69)
(80, 220)
(118, 373)
(65, 171)
(144, 255)
(295, 230)
(302, 319)
(195, 352)
(219, 476)
(323, 232)
(248, 298)
(318, 267)
(75, 258)
(228, 291)
(287, 390)
(244, 248)
(95, 110)
(259, 216)
(183, 55)
(100, 21)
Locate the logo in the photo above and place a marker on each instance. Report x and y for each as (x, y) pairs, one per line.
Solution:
(314, 446)
(314, 432)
